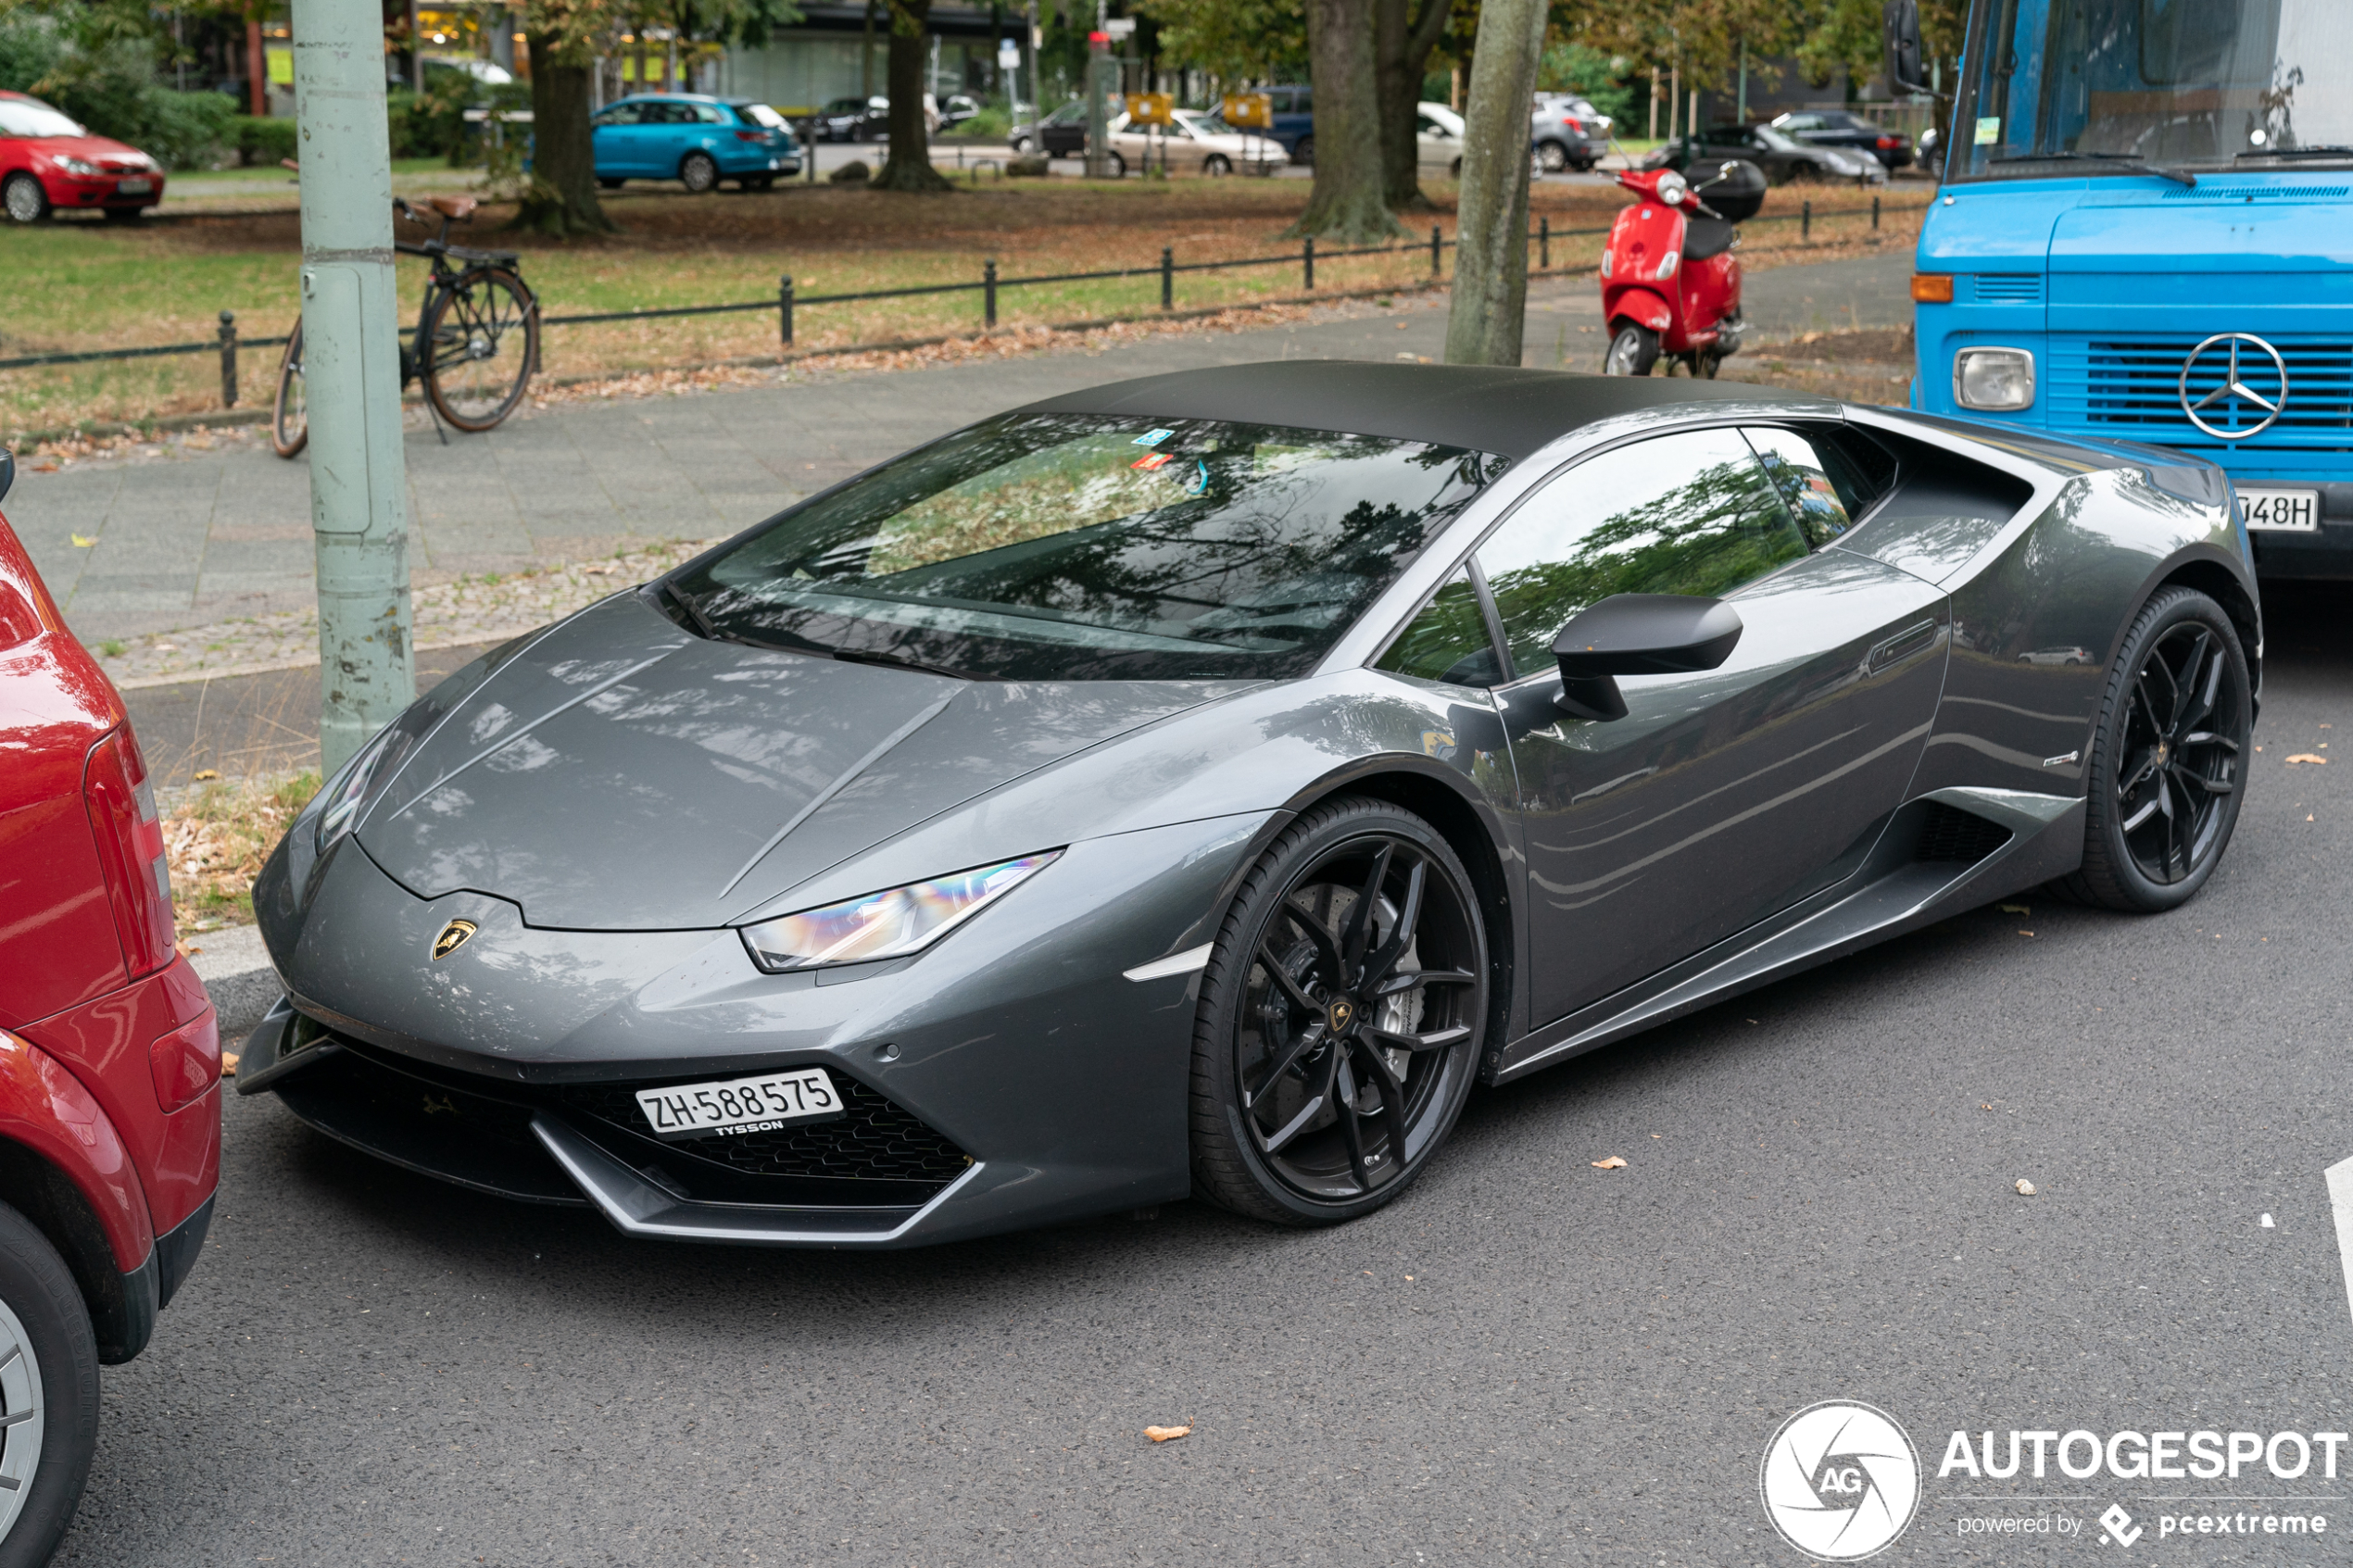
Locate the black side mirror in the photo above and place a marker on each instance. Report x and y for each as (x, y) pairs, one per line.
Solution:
(1900, 33)
(1639, 634)
(7, 473)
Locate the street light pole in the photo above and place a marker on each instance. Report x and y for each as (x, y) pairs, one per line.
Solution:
(351, 374)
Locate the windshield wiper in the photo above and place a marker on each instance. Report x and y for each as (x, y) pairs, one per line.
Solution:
(899, 661)
(695, 618)
(2124, 160)
(2323, 150)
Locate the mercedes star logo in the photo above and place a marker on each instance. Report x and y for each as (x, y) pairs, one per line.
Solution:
(2233, 398)
(453, 936)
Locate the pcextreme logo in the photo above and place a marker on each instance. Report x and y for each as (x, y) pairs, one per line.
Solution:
(1840, 1481)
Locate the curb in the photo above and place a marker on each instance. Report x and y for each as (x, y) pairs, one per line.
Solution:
(234, 967)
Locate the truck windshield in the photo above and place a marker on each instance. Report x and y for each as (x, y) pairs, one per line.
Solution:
(2093, 86)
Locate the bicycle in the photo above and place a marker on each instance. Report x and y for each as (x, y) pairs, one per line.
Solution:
(476, 343)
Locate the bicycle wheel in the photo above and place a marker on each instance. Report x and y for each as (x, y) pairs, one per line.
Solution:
(484, 338)
(290, 418)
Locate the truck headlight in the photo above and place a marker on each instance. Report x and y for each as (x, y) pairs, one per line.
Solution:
(1993, 377)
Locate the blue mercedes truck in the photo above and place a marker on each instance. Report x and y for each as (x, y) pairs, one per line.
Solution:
(2144, 231)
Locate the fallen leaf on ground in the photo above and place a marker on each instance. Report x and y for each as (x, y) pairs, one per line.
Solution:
(82, 542)
(2026, 934)
(228, 1064)
(1984, 1108)
(1612, 1163)
(203, 774)
(2025, 1187)
(1167, 1433)
(2016, 909)
(2310, 757)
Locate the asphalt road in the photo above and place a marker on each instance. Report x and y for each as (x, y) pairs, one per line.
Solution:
(1525, 1360)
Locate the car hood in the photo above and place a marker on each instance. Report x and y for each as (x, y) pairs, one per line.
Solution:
(100, 150)
(618, 774)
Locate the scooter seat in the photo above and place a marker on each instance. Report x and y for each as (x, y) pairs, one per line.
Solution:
(1705, 236)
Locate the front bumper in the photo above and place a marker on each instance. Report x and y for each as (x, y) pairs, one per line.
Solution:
(1009, 1077)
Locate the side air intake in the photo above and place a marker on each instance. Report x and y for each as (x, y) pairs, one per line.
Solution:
(1948, 833)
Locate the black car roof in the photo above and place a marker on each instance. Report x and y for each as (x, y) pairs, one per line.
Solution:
(1487, 408)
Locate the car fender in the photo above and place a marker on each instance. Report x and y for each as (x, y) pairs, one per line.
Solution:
(46, 1110)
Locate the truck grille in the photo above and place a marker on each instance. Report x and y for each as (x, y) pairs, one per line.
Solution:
(2131, 387)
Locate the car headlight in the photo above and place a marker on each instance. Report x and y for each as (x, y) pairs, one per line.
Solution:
(1993, 377)
(76, 165)
(350, 789)
(890, 924)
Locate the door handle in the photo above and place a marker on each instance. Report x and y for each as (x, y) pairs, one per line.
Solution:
(1903, 645)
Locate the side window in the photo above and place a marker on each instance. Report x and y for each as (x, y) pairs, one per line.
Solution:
(1827, 477)
(621, 114)
(710, 114)
(1448, 640)
(1682, 514)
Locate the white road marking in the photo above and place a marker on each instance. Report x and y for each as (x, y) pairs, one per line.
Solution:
(2340, 1180)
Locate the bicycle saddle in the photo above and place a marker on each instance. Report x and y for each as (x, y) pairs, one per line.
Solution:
(457, 209)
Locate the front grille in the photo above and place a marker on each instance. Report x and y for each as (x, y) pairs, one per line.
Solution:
(2209, 189)
(876, 1140)
(2132, 386)
(2010, 288)
(1950, 833)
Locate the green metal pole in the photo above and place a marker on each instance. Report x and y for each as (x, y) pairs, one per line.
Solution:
(351, 374)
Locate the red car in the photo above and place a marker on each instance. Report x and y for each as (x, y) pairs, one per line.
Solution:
(48, 162)
(110, 1061)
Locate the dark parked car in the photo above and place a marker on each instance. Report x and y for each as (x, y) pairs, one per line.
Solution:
(109, 1064)
(852, 119)
(1295, 126)
(695, 140)
(1781, 158)
(1061, 134)
(1838, 128)
(1196, 784)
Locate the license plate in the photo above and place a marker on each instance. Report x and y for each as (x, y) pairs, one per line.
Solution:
(134, 187)
(2289, 511)
(733, 1107)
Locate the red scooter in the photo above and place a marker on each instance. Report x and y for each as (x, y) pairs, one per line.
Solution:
(1670, 283)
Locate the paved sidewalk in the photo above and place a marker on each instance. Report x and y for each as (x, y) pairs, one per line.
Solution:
(204, 538)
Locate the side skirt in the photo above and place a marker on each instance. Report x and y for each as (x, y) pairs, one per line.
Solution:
(1895, 891)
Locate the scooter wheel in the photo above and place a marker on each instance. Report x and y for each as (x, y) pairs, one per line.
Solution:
(1633, 350)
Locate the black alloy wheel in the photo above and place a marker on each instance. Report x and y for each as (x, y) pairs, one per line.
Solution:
(1341, 1018)
(699, 172)
(2169, 759)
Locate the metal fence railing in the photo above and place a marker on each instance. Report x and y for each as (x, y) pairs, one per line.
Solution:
(990, 285)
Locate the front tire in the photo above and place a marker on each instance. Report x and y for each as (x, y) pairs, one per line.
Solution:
(699, 172)
(24, 199)
(49, 1385)
(1341, 1017)
(290, 415)
(2169, 760)
(1217, 166)
(1633, 350)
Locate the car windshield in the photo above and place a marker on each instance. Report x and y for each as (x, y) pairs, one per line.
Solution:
(23, 116)
(1072, 548)
(2055, 86)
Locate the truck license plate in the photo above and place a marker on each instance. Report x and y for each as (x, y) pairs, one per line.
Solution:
(2288, 512)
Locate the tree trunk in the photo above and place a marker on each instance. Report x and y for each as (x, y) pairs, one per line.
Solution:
(1489, 306)
(561, 197)
(910, 166)
(1347, 202)
(1400, 55)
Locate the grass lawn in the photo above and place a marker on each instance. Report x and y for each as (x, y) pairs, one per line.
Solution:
(82, 286)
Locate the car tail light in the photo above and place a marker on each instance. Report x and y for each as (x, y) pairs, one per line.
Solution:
(186, 1063)
(751, 135)
(130, 834)
(1887, 141)
(1576, 126)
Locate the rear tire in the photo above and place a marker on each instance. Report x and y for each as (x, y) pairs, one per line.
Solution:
(1316, 1112)
(24, 199)
(699, 172)
(1305, 152)
(1633, 350)
(2169, 759)
(290, 415)
(483, 341)
(50, 1388)
(609, 184)
(1217, 166)
(1551, 157)
(1116, 163)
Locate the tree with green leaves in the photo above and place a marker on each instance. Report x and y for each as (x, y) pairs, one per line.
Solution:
(1349, 200)
(560, 197)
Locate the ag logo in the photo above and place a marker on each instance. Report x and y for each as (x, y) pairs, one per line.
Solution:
(1840, 1481)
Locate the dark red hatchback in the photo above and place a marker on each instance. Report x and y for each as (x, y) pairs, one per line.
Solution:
(109, 1060)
